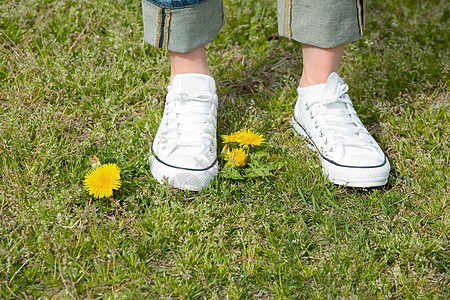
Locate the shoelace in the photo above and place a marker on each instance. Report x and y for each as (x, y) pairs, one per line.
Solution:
(190, 122)
(337, 121)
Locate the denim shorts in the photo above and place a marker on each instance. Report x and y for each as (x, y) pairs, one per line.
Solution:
(183, 25)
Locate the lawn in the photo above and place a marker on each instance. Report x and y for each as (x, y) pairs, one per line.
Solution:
(76, 79)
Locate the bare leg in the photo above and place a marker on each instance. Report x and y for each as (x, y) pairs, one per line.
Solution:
(319, 63)
(193, 61)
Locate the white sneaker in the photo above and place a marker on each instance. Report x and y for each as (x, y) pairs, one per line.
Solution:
(184, 148)
(324, 114)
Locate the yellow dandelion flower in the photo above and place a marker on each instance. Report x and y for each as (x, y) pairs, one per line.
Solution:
(236, 157)
(247, 138)
(231, 138)
(102, 181)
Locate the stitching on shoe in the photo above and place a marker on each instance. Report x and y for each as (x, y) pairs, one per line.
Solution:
(331, 161)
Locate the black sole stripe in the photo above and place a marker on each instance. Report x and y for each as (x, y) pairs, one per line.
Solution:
(182, 168)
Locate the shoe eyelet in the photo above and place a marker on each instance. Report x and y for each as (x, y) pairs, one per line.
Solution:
(306, 106)
(326, 142)
(321, 134)
(315, 125)
(331, 149)
(311, 116)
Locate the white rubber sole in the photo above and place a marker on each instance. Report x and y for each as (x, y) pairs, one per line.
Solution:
(349, 176)
(180, 178)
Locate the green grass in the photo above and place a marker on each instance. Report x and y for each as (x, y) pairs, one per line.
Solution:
(76, 79)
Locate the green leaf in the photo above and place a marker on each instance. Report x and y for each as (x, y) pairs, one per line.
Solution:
(259, 154)
(232, 173)
(258, 169)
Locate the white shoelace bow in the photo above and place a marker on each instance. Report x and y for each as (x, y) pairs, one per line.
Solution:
(190, 122)
(337, 121)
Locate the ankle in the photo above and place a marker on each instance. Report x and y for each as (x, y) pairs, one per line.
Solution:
(319, 63)
(193, 61)
(308, 80)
